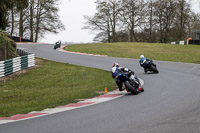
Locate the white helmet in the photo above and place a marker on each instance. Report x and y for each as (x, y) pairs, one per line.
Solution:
(141, 56)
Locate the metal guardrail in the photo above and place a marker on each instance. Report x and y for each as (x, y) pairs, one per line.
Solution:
(21, 52)
(10, 66)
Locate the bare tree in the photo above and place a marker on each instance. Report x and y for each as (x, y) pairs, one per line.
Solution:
(132, 15)
(34, 18)
(105, 20)
(31, 18)
(150, 25)
(142, 20)
(99, 23)
(165, 17)
(47, 19)
(182, 15)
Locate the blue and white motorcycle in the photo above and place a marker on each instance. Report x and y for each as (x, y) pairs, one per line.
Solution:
(131, 82)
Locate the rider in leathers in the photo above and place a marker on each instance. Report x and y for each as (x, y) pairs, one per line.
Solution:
(143, 62)
(116, 70)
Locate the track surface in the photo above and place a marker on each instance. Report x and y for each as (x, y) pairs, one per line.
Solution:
(170, 103)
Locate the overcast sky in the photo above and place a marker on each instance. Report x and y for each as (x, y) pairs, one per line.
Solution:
(71, 14)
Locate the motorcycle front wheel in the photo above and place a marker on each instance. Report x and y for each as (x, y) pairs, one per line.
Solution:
(154, 69)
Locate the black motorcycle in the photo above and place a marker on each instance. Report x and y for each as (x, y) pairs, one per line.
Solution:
(57, 45)
(150, 66)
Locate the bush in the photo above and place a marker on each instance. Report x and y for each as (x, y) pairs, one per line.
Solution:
(7, 47)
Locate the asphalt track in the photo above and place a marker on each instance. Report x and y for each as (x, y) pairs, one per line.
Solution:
(170, 103)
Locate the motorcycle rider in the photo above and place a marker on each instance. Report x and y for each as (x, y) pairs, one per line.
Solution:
(143, 62)
(116, 70)
(57, 44)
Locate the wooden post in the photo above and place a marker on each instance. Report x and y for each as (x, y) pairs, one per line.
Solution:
(5, 51)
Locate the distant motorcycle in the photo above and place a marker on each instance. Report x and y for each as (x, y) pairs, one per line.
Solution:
(57, 45)
(150, 66)
(131, 82)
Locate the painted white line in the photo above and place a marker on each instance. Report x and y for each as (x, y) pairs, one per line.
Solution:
(62, 109)
(96, 100)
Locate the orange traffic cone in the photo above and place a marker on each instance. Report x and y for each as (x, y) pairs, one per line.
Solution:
(106, 91)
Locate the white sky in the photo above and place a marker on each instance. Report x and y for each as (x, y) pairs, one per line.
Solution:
(71, 14)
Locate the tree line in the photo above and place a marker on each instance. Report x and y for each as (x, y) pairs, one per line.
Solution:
(142, 20)
(30, 19)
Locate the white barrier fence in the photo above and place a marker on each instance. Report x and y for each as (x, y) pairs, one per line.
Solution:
(180, 42)
(10, 66)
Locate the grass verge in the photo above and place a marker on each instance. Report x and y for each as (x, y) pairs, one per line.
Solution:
(50, 85)
(155, 51)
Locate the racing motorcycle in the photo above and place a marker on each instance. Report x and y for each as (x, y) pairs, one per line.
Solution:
(131, 82)
(150, 66)
(57, 45)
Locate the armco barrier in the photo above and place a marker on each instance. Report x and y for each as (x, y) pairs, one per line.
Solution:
(10, 66)
(22, 53)
(180, 42)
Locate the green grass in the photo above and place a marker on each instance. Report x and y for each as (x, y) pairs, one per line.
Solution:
(51, 85)
(155, 51)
